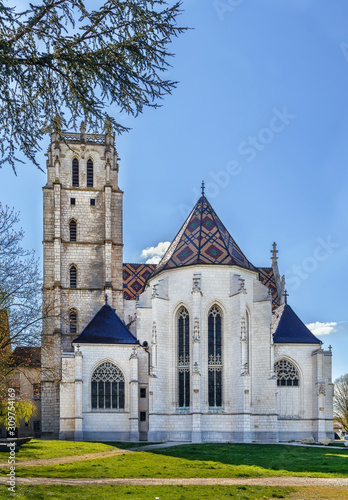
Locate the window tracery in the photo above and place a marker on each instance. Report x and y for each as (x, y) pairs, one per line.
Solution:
(108, 388)
(214, 357)
(183, 366)
(287, 373)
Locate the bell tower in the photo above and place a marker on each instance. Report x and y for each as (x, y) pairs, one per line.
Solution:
(82, 248)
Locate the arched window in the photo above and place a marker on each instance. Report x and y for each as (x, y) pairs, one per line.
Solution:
(247, 340)
(73, 277)
(183, 325)
(287, 373)
(214, 358)
(75, 172)
(72, 321)
(89, 173)
(108, 387)
(72, 230)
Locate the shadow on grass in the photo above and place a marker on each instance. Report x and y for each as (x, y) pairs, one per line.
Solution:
(296, 459)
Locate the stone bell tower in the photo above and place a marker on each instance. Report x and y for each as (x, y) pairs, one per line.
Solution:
(82, 248)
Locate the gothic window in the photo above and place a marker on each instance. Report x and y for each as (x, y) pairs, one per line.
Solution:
(247, 340)
(287, 373)
(108, 387)
(89, 173)
(183, 325)
(72, 321)
(73, 277)
(72, 230)
(214, 358)
(75, 172)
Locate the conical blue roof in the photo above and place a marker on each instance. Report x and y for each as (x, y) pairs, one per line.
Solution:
(287, 328)
(203, 239)
(106, 328)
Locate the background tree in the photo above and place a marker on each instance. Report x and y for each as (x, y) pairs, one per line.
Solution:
(58, 55)
(21, 308)
(341, 401)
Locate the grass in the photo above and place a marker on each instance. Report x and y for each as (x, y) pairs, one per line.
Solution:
(148, 492)
(36, 449)
(205, 460)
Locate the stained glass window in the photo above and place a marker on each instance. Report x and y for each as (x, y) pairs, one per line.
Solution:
(287, 373)
(184, 358)
(108, 391)
(214, 358)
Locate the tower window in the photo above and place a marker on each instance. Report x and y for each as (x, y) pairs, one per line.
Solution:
(73, 277)
(108, 387)
(142, 392)
(36, 391)
(92, 202)
(214, 358)
(184, 358)
(72, 201)
(143, 416)
(75, 172)
(72, 321)
(72, 230)
(89, 173)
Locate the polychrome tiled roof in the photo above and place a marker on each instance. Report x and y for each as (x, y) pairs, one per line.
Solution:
(203, 239)
(134, 278)
(267, 278)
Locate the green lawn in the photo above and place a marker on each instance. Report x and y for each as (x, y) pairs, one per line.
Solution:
(206, 460)
(36, 449)
(147, 492)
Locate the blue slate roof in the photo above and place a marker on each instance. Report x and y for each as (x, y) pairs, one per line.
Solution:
(106, 328)
(287, 328)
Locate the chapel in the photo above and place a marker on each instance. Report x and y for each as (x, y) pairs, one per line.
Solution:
(202, 347)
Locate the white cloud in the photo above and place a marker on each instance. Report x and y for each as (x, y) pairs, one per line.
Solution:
(318, 328)
(154, 254)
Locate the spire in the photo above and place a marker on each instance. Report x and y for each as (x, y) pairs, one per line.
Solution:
(274, 253)
(203, 239)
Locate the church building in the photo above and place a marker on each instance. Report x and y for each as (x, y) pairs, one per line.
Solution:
(202, 347)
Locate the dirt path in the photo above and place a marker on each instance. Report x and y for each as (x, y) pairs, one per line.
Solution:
(264, 481)
(88, 456)
(67, 460)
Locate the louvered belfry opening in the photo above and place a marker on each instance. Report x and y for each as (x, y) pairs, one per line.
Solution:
(72, 230)
(75, 172)
(89, 173)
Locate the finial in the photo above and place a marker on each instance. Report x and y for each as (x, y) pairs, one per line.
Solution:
(107, 126)
(106, 299)
(203, 188)
(286, 295)
(57, 124)
(274, 252)
(330, 348)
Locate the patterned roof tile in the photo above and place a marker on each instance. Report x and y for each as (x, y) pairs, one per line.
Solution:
(203, 239)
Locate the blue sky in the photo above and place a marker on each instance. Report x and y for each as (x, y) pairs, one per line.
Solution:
(261, 114)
